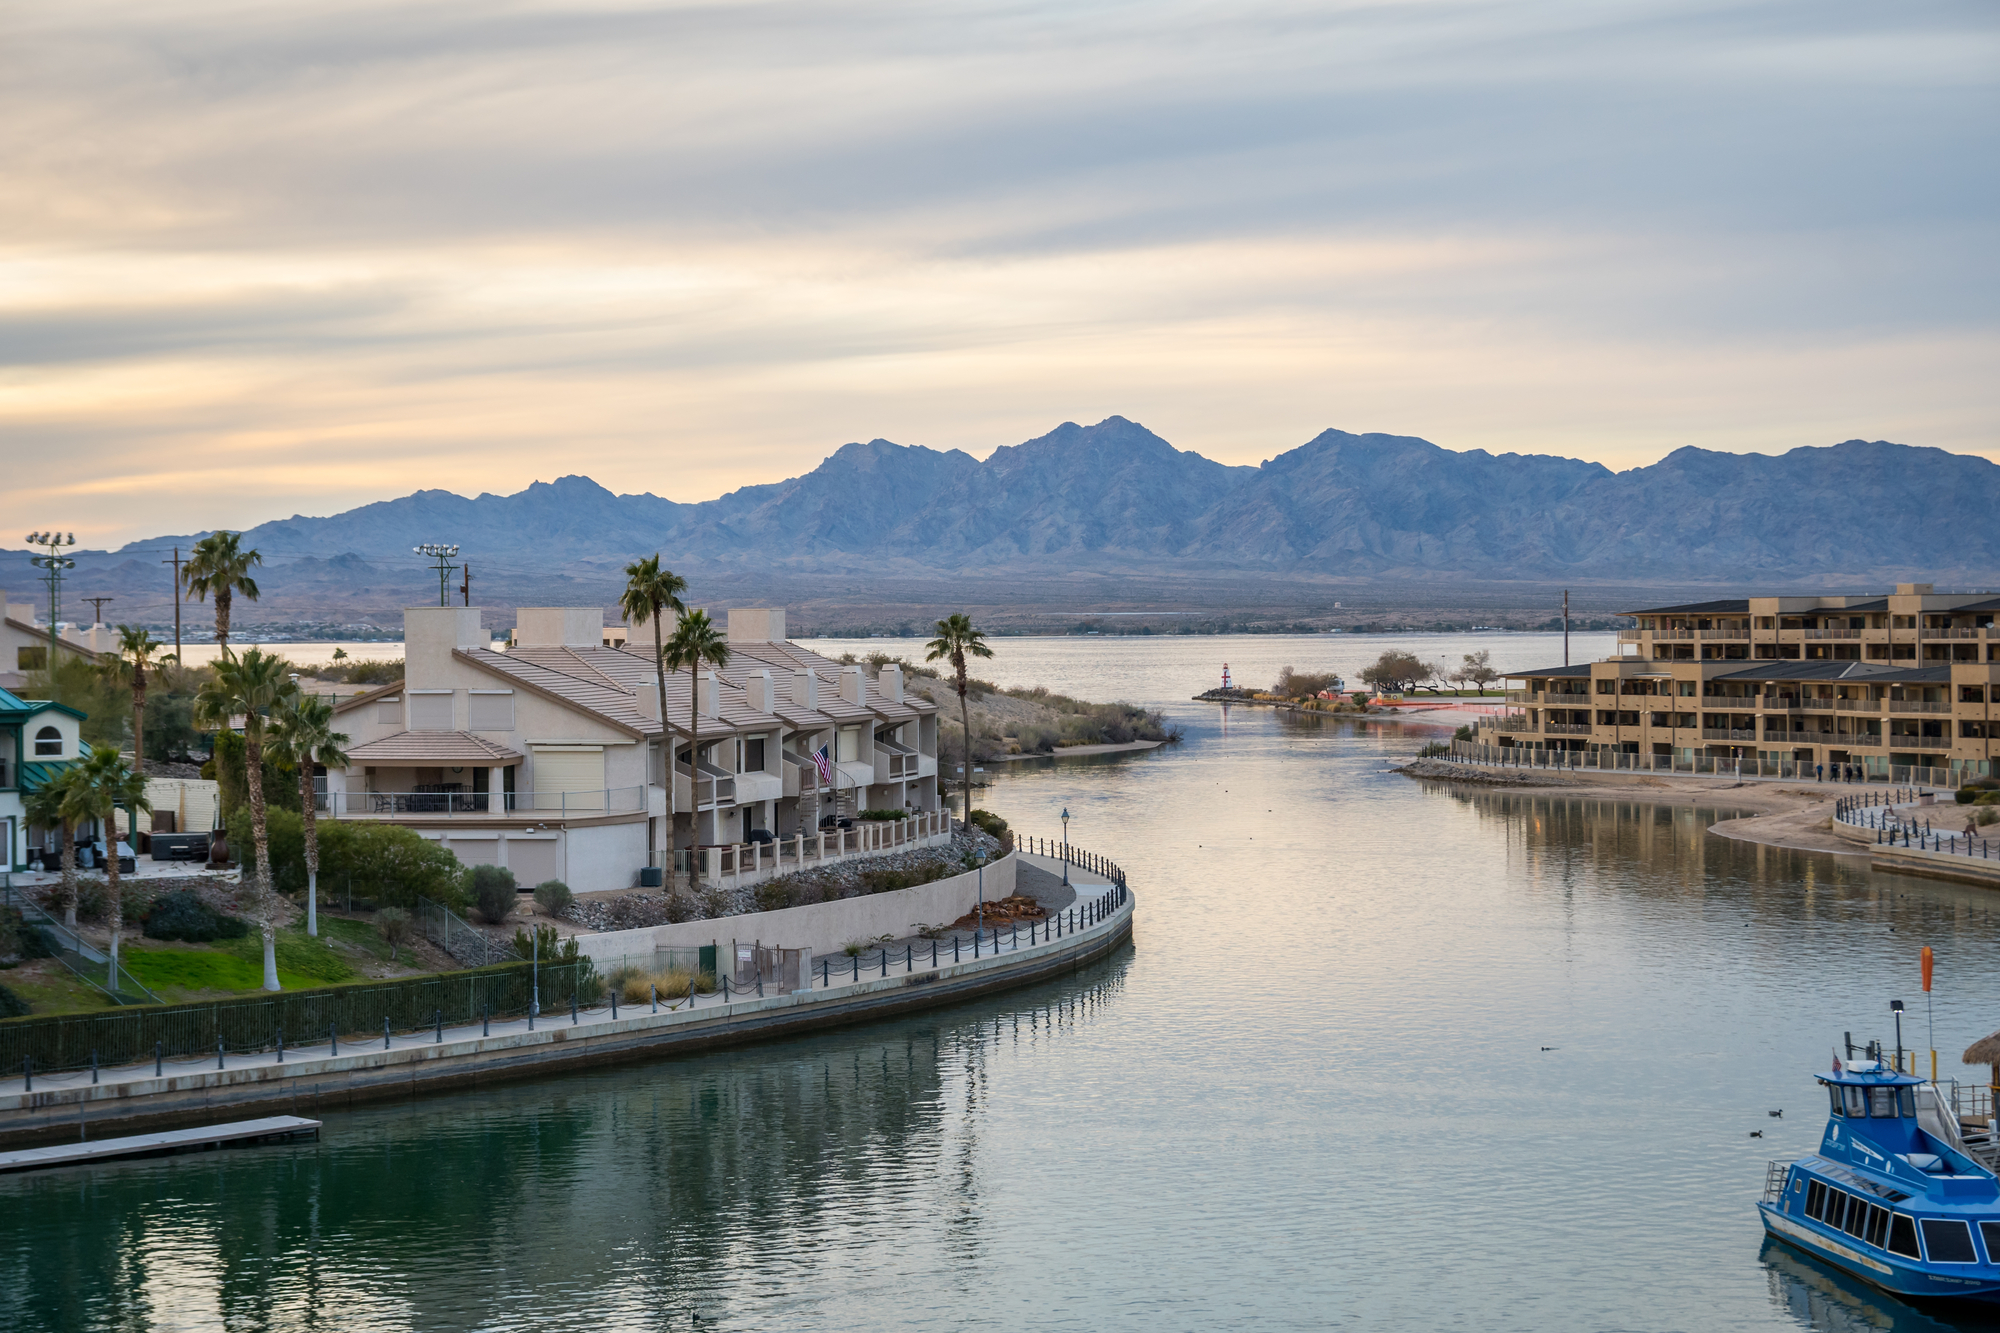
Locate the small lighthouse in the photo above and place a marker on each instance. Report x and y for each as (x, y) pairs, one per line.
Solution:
(1225, 675)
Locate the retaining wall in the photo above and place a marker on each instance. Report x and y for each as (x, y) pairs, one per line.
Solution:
(821, 927)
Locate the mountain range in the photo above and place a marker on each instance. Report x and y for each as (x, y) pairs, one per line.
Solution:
(1115, 499)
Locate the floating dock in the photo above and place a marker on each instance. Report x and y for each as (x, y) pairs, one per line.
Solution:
(235, 1134)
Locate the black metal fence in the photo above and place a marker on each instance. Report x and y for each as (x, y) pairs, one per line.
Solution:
(360, 1011)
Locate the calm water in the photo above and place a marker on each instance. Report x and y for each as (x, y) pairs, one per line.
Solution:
(1313, 1094)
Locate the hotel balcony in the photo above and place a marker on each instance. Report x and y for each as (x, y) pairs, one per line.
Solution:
(404, 805)
(1917, 706)
(1566, 728)
(1728, 734)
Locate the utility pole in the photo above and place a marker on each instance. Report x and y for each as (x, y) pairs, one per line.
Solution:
(177, 562)
(465, 588)
(1565, 626)
(443, 555)
(97, 607)
(55, 563)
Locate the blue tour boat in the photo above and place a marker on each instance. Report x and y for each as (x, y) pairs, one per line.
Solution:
(1892, 1196)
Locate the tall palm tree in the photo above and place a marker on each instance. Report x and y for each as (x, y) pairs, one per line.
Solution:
(650, 592)
(303, 736)
(696, 643)
(253, 686)
(220, 566)
(55, 805)
(958, 640)
(104, 782)
(136, 643)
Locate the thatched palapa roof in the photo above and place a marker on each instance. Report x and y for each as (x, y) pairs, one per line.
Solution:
(1985, 1051)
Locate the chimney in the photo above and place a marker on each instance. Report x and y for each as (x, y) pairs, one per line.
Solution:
(890, 681)
(711, 702)
(756, 624)
(757, 691)
(646, 695)
(805, 689)
(561, 627)
(853, 685)
(430, 634)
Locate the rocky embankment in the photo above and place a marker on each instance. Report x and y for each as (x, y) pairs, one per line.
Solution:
(1443, 770)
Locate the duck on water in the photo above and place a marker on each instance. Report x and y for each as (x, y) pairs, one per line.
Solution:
(1892, 1196)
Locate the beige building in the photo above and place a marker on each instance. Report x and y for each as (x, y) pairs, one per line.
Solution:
(549, 757)
(24, 642)
(1899, 681)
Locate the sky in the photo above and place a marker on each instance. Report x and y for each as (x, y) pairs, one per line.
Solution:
(262, 259)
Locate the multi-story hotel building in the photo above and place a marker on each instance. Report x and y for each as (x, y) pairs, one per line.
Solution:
(1905, 680)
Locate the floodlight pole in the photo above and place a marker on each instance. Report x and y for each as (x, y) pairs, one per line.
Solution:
(55, 563)
(443, 554)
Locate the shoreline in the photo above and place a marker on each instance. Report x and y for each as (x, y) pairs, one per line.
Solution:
(1068, 751)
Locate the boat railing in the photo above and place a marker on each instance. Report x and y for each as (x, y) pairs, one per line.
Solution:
(1774, 1180)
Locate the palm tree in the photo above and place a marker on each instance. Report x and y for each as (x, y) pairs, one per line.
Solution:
(104, 782)
(696, 643)
(137, 644)
(957, 640)
(650, 592)
(304, 737)
(219, 565)
(55, 805)
(253, 686)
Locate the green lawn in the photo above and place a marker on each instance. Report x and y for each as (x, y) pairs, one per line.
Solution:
(49, 988)
(181, 971)
(361, 936)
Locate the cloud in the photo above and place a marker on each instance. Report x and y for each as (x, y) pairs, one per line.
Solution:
(273, 259)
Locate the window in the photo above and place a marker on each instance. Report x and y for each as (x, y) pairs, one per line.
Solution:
(1903, 1237)
(1857, 1100)
(753, 754)
(1910, 1102)
(31, 659)
(1815, 1199)
(48, 741)
(850, 746)
(389, 712)
(430, 712)
(1990, 1233)
(1947, 1241)
(1833, 1097)
(490, 710)
(1878, 1226)
(1882, 1103)
(1856, 1221)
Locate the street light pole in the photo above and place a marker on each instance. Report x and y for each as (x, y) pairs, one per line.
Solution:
(1065, 820)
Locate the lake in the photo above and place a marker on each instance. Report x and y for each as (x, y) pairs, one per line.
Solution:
(1382, 1055)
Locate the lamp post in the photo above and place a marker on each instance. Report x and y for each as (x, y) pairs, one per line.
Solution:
(1065, 820)
(981, 918)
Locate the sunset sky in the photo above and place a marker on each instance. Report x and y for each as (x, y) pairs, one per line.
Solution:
(261, 259)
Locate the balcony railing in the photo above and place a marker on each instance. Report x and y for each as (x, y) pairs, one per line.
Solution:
(1514, 722)
(1950, 633)
(1816, 705)
(1829, 634)
(459, 804)
(1674, 635)
(1523, 696)
(713, 787)
(1918, 706)
(1725, 634)
(1566, 728)
(1727, 734)
(1918, 742)
(1778, 702)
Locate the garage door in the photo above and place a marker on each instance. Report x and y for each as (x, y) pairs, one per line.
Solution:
(476, 851)
(569, 779)
(534, 860)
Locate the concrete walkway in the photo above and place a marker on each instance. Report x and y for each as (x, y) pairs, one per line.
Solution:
(97, 1097)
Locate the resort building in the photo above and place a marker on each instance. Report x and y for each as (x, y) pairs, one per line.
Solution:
(1905, 680)
(549, 757)
(38, 740)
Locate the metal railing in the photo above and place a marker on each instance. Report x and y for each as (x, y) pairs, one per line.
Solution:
(1566, 728)
(451, 933)
(1828, 633)
(1749, 766)
(1727, 734)
(83, 960)
(1858, 705)
(1897, 820)
(450, 804)
(1709, 635)
(1918, 706)
(1955, 633)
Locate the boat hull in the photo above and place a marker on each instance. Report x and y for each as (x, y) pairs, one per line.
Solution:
(1906, 1279)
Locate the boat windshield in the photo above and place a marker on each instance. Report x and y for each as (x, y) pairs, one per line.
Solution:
(1882, 1103)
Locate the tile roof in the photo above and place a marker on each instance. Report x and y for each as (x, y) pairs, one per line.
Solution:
(604, 681)
(1723, 607)
(1829, 671)
(1562, 672)
(454, 748)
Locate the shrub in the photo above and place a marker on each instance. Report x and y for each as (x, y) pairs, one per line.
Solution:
(636, 986)
(183, 916)
(884, 814)
(552, 896)
(1986, 814)
(1967, 795)
(887, 881)
(384, 863)
(12, 1005)
(394, 923)
(18, 939)
(493, 892)
(93, 899)
(1435, 750)
(682, 907)
(1465, 734)
(989, 823)
(777, 893)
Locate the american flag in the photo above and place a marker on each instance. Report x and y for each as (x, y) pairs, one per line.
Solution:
(824, 765)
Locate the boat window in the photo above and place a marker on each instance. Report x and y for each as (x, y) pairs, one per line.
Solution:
(1833, 1097)
(1815, 1200)
(1947, 1241)
(1882, 1103)
(1857, 1101)
(1903, 1236)
(1910, 1102)
(1990, 1233)
(1856, 1224)
(1878, 1226)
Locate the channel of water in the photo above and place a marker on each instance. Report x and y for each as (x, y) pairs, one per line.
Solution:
(1382, 1055)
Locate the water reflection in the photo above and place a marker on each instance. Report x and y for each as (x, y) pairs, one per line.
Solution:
(1825, 1299)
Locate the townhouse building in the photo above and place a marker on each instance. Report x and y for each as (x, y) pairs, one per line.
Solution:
(551, 757)
(1906, 680)
(38, 740)
(24, 642)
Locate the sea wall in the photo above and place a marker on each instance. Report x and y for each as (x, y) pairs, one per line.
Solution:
(821, 927)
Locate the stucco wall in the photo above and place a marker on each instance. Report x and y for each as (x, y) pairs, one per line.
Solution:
(822, 927)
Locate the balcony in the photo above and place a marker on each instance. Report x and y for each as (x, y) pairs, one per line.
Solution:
(1918, 742)
(1723, 635)
(1778, 703)
(1950, 633)
(1524, 696)
(893, 762)
(713, 788)
(1858, 705)
(1917, 706)
(392, 805)
(1513, 722)
(1727, 734)
(1811, 634)
(1811, 705)
(1673, 635)
(1566, 728)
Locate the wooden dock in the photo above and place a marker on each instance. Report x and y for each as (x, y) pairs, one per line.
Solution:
(236, 1133)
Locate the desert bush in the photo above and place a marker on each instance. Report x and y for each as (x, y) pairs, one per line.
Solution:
(777, 893)
(552, 896)
(18, 939)
(394, 923)
(887, 881)
(1037, 739)
(989, 823)
(493, 892)
(183, 916)
(12, 1005)
(93, 899)
(383, 863)
(884, 814)
(636, 985)
(682, 907)
(1986, 814)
